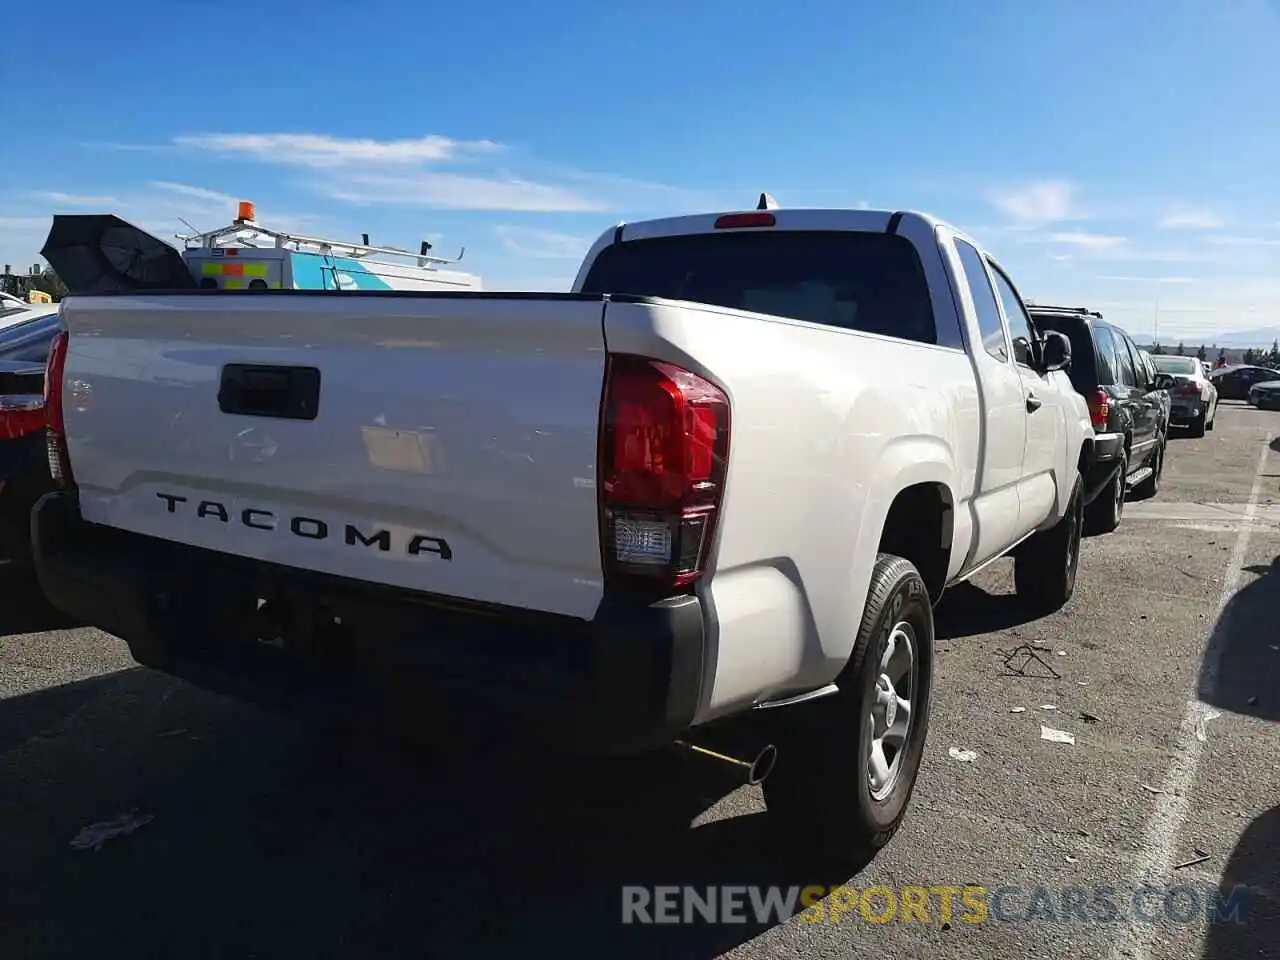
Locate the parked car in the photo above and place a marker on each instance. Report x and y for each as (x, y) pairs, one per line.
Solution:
(1234, 383)
(24, 461)
(728, 474)
(1194, 395)
(1265, 395)
(1127, 406)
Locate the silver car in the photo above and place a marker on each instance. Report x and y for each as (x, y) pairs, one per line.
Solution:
(1193, 397)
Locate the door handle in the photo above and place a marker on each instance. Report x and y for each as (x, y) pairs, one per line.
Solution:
(1034, 403)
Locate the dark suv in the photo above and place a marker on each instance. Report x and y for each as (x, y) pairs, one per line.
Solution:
(1127, 404)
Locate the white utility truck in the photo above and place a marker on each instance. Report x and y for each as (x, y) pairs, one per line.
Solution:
(718, 487)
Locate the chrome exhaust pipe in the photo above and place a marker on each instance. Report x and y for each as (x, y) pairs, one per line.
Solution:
(754, 770)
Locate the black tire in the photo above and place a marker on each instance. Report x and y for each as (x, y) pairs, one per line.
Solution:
(1106, 511)
(1151, 486)
(1045, 567)
(1197, 427)
(822, 807)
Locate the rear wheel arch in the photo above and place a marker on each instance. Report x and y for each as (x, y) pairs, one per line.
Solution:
(920, 528)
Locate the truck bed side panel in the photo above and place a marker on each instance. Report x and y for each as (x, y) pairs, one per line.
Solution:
(827, 426)
(453, 452)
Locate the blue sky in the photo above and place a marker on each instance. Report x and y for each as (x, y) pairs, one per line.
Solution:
(1122, 155)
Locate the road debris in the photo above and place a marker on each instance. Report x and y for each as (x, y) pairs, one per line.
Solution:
(964, 756)
(1056, 736)
(1031, 664)
(173, 733)
(1062, 653)
(1048, 706)
(1072, 860)
(95, 835)
(1200, 857)
(1252, 701)
(1089, 717)
(1017, 709)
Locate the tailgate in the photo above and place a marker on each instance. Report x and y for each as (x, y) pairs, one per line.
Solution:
(444, 443)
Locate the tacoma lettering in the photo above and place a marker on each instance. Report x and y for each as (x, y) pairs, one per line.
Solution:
(311, 528)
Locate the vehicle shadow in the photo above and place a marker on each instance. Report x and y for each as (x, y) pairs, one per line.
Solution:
(1241, 669)
(967, 610)
(23, 607)
(1254, 871)
(272, 837)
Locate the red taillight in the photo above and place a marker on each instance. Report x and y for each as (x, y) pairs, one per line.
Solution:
(20, 416)
(664, 447)
(730, 220)
(1100, 409)
(1187, 388)
(55, 425)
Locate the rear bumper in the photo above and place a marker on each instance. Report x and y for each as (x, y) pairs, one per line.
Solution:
(24, 478)
(1187, 411)
(1103, 464)
(627, 680)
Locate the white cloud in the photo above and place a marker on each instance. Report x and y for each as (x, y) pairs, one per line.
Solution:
(1192, 218)
(77, 199)
(1043, 201)
(1087, 241)
(322, 151)
(541, 244)
(454, 191)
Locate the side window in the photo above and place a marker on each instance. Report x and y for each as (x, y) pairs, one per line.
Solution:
(1140, 378)
(984, 299)
(1124, 363)
(1016, 314)
(1109, 372)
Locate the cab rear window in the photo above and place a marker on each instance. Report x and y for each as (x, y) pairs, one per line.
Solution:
(872, 282)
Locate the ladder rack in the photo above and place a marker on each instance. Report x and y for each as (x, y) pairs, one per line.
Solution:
(244, 232)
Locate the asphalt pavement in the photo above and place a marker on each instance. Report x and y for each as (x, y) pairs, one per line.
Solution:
(240, 832)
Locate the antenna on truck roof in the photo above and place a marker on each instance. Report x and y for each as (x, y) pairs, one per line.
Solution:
(767, 202)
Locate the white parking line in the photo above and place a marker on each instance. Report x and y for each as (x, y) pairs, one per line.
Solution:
(1156, 858)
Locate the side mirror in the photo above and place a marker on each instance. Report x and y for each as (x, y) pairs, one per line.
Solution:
(1163, 381)
(1055, 354)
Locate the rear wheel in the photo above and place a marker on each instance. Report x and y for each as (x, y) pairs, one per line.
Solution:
(1044, 568)
(847, 763)
(1151, 486)
(1103, 515)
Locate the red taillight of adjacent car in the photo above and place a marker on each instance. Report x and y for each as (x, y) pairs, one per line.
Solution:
(1100, 409)
(663, 452)
(55, 426)
(21, 416)
(1187, 388)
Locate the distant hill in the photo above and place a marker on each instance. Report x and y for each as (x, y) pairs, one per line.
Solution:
(1250, 354)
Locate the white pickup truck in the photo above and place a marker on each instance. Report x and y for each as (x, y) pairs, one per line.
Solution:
(729, 474)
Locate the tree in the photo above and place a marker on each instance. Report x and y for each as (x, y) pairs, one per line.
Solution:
(1202, 353)
(1182, 349)
(1222, 355)
(50, 283)
(1157, 350)
(1249, 356)
(1274, 356)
